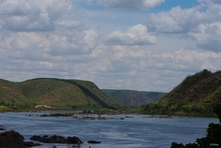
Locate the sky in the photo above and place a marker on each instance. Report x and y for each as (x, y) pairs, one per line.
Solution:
(145, 45)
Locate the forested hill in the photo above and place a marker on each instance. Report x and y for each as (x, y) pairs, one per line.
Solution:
(196, 95)
(53, 93)
(132, 98)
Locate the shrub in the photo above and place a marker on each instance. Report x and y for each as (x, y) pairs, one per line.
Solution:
(213, 138)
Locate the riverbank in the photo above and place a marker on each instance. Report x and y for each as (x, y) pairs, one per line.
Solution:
(113, 112)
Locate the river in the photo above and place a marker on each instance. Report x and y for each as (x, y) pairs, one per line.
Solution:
(124, 131)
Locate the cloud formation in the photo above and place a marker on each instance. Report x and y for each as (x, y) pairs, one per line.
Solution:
(201, 22)
(208, 36)
(130, 4)
(147, 50)
(135, 35)
(176, 20)
(33, 15)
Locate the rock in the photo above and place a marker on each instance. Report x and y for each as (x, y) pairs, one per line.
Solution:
(58, 115)
(129, 117)
(2, 128)
(31, 144)
(13, 139)
(57, 139)
(74, 140)
(93, 142)
(92, 118)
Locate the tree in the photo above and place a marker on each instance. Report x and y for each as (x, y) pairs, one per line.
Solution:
(213, 138)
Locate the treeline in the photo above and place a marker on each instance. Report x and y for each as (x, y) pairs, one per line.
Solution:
(183, 110)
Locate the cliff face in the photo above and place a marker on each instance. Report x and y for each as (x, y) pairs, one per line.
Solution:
(53, 93)
(197, 94)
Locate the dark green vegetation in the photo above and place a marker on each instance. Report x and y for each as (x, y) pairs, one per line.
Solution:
(213, 138)
(54, 94)
(196, 95)
(132, 98)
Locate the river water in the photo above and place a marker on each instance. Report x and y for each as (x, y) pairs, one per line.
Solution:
(134, 131)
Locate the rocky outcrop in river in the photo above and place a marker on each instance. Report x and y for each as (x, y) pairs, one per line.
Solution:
(57, 139)
(12, 139)
(2, 128)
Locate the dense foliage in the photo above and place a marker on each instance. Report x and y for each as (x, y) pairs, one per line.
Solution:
(53, 93)
(132, 98)
(213, 138)
(196, 95)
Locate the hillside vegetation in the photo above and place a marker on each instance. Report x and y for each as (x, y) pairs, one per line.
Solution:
(53, 93)
(196, 95)
(132, 98)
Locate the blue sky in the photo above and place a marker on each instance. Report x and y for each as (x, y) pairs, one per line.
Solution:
(148, 45)
(168, 4)
(164, 6)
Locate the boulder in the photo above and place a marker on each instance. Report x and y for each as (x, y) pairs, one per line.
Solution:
(74, 140)
(93, 142)
(13, 139)
(2, 128)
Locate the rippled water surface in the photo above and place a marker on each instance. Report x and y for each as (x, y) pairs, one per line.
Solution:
(138, 131)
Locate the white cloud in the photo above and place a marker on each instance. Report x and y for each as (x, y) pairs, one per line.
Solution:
(187, 60)
(176, 20)
(147, 71)
(33, 15)
(130, 4)
(201, 23)
(90, 37)
(208, 36)
(14, 7)
(135, 35)
(51, 38)
(42, 39)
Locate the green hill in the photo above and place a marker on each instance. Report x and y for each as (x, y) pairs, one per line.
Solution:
(132, 98)
(53, 93)
(196, 95)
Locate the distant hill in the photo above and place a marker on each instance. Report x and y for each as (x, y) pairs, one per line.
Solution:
(196, 95)
(132, 98)
(53, 93)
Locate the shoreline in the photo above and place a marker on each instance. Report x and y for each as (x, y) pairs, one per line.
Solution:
(82, 112)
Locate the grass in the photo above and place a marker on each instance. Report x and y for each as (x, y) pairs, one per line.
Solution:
(56, 93)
